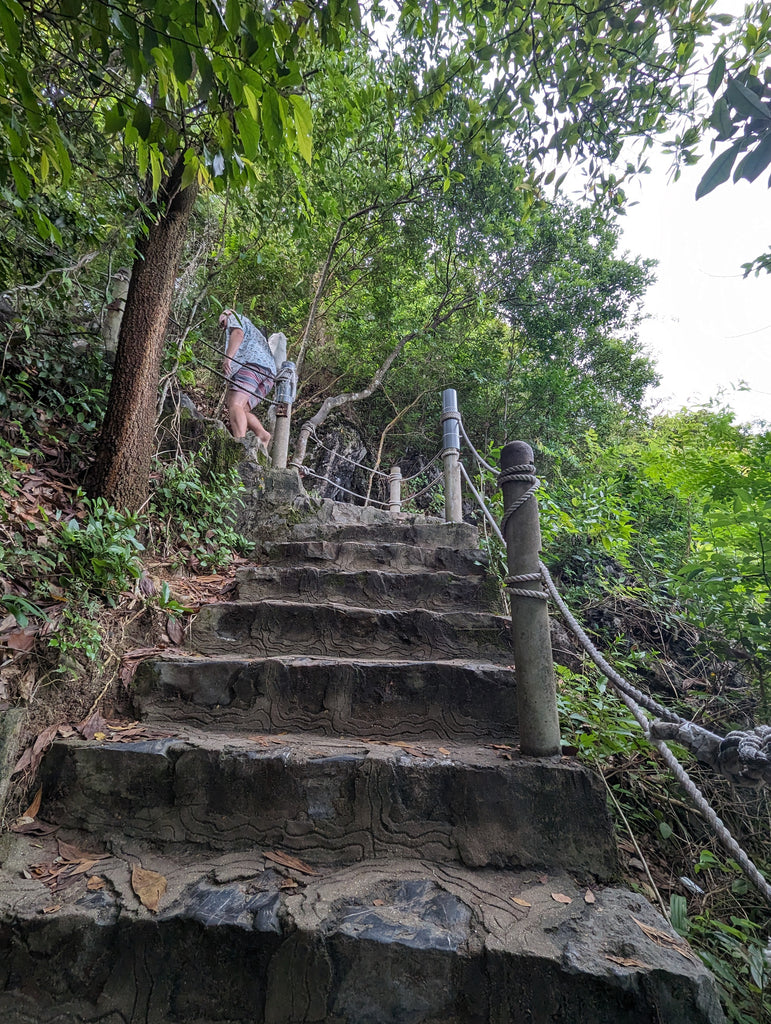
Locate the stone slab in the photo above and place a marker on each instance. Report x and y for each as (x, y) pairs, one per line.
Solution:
(407, 700)
(370, 588)
(461, 536)
(354, 555)
(237, 939)
(336, 801)
(276, 628)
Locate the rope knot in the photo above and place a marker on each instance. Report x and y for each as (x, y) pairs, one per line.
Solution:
(745, 757)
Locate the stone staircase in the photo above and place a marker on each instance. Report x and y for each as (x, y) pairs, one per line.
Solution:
(331, 791)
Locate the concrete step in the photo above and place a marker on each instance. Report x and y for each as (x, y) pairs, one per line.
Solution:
(276, 628)
(355, 555)
(240, 939)
(408, 700)
(370, 588)
(335, 800)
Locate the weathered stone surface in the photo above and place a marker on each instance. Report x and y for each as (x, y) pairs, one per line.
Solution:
(370, 588)
(358, 555)
(237, 940)
(11, 723)
(409, 700)
(333, 801)
(268, 628)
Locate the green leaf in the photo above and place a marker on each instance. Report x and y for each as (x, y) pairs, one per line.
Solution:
(23, 184)
(718, 171)
(114, 119)
(271, 119)
(678, 914)
(183, 60)
(756, 161)
(142, 119)
(249, 133)
(10, 27)
(745, 100)
(233, 16)
(716, 75)
(303, 122)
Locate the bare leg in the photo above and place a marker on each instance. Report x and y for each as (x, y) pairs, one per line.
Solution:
(243, 419)
(254, 424)
(237, 405)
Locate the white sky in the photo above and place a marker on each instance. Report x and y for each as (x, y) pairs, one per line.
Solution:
(709, 329)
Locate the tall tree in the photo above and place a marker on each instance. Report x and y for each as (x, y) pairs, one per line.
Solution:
(196, 94)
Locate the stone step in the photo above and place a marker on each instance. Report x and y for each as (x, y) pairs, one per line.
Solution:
(275, 628)
(242, 940)
(460, 536)
(354, 555)
(409, 700)
(335, 800)
(370, 588)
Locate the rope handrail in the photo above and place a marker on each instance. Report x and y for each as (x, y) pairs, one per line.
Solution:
(474, 452)
(719, 752)
(425, 469)
(346, 458)
(317, 476)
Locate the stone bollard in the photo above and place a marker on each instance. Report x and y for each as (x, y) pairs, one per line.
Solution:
(284, 397)
(453, 506)
(395, 489)
(539, 732)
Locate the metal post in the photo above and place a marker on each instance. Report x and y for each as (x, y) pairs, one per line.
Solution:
(536, 689)
(284, 398)
(453, 504)
(395, 489)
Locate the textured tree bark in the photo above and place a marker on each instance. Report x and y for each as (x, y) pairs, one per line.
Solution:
(121, 470)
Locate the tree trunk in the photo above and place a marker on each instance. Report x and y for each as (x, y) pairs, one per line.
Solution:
(121, 471)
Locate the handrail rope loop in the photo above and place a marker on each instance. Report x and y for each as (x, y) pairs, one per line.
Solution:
(524, 472)
(513, 584)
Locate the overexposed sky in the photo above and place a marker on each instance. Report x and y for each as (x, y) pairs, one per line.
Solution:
(709, 329)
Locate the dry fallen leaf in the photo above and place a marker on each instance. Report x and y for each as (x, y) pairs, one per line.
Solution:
(72, 855)
(33, 755)
(52, 909)
(149, 886)
(94, 883)
(444, 750)
(288, 861)
(519, 902)
(662, 939)
(24, 640)
(288, 883)
(378, 903)
(175, 631)
(560, 897)
(90, 726)
(629, 962)
(589, 897)
(34, 807)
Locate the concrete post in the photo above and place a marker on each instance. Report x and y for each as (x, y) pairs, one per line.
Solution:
(280, 450)
(453, 502)
(284, 398)
(536, 689)
(395, 489)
